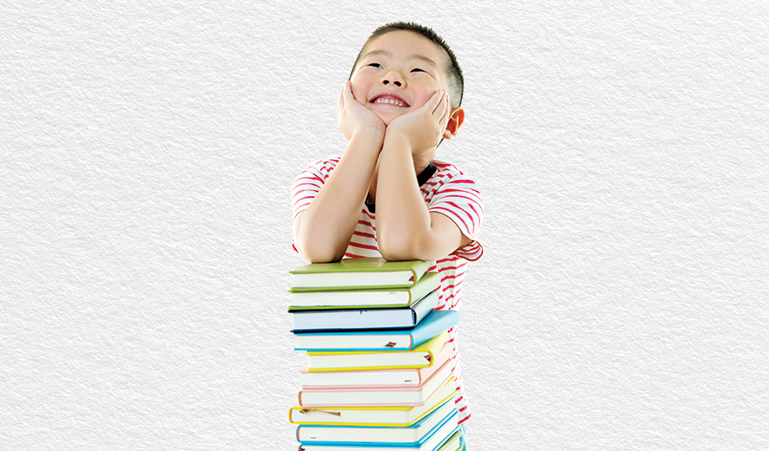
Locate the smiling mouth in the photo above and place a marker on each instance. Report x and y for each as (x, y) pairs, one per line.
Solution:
(389, 100)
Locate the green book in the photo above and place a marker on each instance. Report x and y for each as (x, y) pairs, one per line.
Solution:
(357, 273)
(377, 297)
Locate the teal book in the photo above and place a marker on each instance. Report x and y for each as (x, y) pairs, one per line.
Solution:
(379, 340)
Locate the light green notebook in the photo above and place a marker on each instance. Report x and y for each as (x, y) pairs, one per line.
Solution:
(364, 298)
(357, 273)
(452, 444)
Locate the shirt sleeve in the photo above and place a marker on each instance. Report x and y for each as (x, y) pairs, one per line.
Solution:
(307, 185)
(460, 200)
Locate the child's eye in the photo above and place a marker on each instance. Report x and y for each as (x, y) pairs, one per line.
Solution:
(376, 65)
(416, 69)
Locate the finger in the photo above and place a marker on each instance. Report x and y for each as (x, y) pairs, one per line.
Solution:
(437, 99)
(440, 109)
(348, 92)
(446, 114)
(340, 101)
(433, 102)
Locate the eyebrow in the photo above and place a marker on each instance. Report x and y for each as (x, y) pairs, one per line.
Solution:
(411, 57)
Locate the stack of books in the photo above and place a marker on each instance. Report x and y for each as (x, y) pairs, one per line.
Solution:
(379, 374)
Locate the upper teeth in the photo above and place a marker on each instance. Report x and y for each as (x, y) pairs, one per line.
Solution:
(389, 100)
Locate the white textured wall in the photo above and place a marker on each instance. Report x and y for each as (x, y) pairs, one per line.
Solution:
(146, 155)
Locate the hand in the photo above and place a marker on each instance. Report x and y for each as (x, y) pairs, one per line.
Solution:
(424, 126)
(354, 117)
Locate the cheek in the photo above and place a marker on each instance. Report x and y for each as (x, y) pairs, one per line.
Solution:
(423, 97)
(359, 92)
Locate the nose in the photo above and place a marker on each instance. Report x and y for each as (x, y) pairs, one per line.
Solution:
(393, 77)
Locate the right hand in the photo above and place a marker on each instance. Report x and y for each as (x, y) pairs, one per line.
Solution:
(354, 117)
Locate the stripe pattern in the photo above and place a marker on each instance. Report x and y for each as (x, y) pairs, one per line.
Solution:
(448, 192)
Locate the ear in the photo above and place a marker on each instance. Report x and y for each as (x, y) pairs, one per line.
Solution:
(456, 118)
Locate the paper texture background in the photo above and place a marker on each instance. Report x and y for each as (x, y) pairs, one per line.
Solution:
(146, 155)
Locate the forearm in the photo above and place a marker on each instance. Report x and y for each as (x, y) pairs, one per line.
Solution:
(324, 229)
(403, 221)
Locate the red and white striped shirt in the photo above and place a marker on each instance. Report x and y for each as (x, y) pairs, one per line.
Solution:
(447, 191)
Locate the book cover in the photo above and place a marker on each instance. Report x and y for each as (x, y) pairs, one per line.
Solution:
(399, 416)
(380, 297)
(453, 443)
(358, 272)
(378, 340)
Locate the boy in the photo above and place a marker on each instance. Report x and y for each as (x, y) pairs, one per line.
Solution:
(386, 196)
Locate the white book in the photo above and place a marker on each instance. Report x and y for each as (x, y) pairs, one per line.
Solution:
(413, 434)
(371, 416)
(405, 377)
(381, 396)
(431, 443)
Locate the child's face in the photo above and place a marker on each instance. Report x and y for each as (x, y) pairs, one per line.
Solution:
(397, 73)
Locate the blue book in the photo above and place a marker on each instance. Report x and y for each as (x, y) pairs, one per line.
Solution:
(430, 442)
(379, 340)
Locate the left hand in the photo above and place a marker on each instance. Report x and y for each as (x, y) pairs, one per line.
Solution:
(424, 126)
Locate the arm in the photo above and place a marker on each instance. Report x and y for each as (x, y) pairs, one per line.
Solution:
(322, 232)
(406, 230)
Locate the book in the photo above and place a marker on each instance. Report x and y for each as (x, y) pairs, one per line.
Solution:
(396, 416)
(415, 435)
(388, 395)
(364, 297)
(406, 377)
(372, 319)
(378, 340)
(453, 443)
(420, 357)
(358, 272)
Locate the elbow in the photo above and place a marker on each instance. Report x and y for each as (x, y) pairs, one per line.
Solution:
(318, 251)
(319, 254)
(400, 248)
(314, 248)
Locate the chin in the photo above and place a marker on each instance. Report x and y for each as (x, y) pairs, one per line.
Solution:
(387, 118)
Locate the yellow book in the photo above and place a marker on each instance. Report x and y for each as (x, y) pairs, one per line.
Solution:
(421, 356)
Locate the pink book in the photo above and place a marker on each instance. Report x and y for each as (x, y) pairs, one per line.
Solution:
(382, 396)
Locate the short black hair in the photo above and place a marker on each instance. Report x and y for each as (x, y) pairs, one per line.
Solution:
(456, 80)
